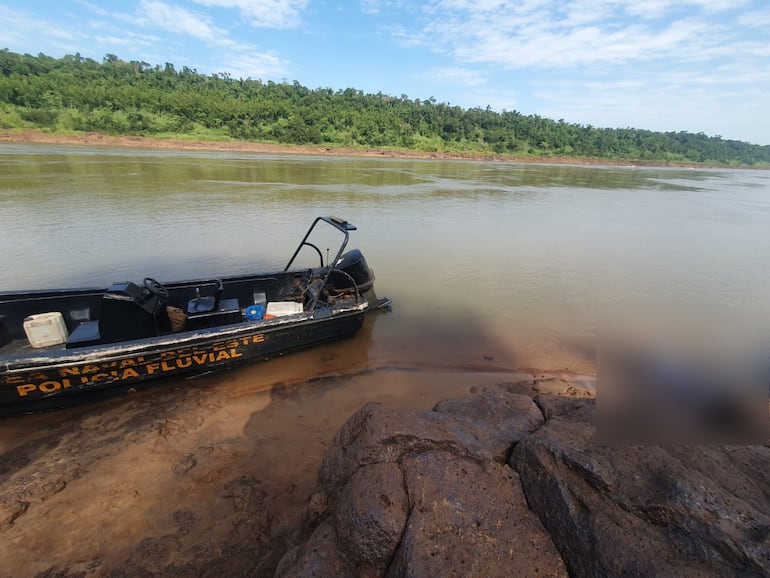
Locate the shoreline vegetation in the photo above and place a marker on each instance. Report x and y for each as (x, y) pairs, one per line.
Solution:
(181, 142)
(77, 100)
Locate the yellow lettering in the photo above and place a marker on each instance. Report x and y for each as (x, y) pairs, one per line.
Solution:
(23, 390)
(166, 366)
(222, 355)
(184, 362)
(127, 363)
(152, 368)
(69, 371)
(49, 386)
(260, 338)
(129, 372)
(90, 369)
(199, 359)
(234, 353)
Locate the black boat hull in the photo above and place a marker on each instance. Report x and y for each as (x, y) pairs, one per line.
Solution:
(55, 344)
(69, 373)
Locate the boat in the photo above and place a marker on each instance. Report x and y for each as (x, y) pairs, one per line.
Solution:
(57, 344)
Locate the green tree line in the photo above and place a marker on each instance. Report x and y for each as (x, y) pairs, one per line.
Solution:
(76, 94)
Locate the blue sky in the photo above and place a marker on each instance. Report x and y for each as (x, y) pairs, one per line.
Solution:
(694, 65)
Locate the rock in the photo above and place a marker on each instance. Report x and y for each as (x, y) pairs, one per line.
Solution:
(653, 510)
(397, 485)
(470, 518)
(497, 419)
(478, 426)
(370, 523)
(498, 484)
(319, 557)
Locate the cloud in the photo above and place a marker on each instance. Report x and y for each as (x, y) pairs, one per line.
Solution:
(757, 19)
(239, 59)
(176, 19)
(667, 101)
(549, 34)
(251, 64)
(264, 13)
(16, 26)
(456, 75)
(129, 41)
(496, 99)
(93, 8)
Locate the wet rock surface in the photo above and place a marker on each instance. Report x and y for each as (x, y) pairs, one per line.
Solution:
(404, 492)
(646, 510)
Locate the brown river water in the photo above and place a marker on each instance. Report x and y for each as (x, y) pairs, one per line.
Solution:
(498, 273)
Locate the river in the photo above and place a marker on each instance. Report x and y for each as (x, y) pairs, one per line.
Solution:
(498, 271)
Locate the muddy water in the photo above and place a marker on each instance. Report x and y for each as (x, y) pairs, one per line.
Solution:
(497, 272)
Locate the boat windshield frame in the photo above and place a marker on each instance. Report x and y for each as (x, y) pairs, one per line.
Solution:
(343, 227)
(340, 224)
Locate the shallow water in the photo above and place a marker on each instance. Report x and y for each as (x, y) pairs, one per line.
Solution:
(497, 271)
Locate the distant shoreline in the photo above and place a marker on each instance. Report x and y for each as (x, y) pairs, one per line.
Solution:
(124, 141)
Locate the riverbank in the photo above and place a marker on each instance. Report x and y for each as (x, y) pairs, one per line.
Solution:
(98, 139)
(195, 478)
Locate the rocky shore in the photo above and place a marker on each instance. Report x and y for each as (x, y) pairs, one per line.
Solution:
(508, 482)
(503, 479)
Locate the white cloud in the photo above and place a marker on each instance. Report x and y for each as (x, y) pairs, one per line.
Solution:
(176, 19)
(547, 34)
(240, 59)
(693, 101)
(756, 19)
(129, 41)
(496, 99)
(264, 13)
(255, 65)
(456, 75)
(16, 28)
(379, 6)
(94, 8)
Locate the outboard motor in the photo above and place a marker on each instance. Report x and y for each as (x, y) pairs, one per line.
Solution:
(354, 264)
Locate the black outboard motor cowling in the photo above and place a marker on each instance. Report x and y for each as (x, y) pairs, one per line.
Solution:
(128, 312)
(354, 264)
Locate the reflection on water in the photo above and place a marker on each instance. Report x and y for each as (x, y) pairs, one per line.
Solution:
(473, 253)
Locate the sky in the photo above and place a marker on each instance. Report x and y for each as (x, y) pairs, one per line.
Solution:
(665, 65)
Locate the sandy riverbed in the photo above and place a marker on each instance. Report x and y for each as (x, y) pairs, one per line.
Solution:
(196, 477)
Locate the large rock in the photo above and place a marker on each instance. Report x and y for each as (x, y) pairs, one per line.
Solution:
(497, 484)
(470, 518)
(370, 523)
(407, 492)
(652, 510)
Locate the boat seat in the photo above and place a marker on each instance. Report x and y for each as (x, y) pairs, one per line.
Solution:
(227, 312)
(87, 333)
(207, 303)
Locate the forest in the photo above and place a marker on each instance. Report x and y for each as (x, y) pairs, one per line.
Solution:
(74, 94)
